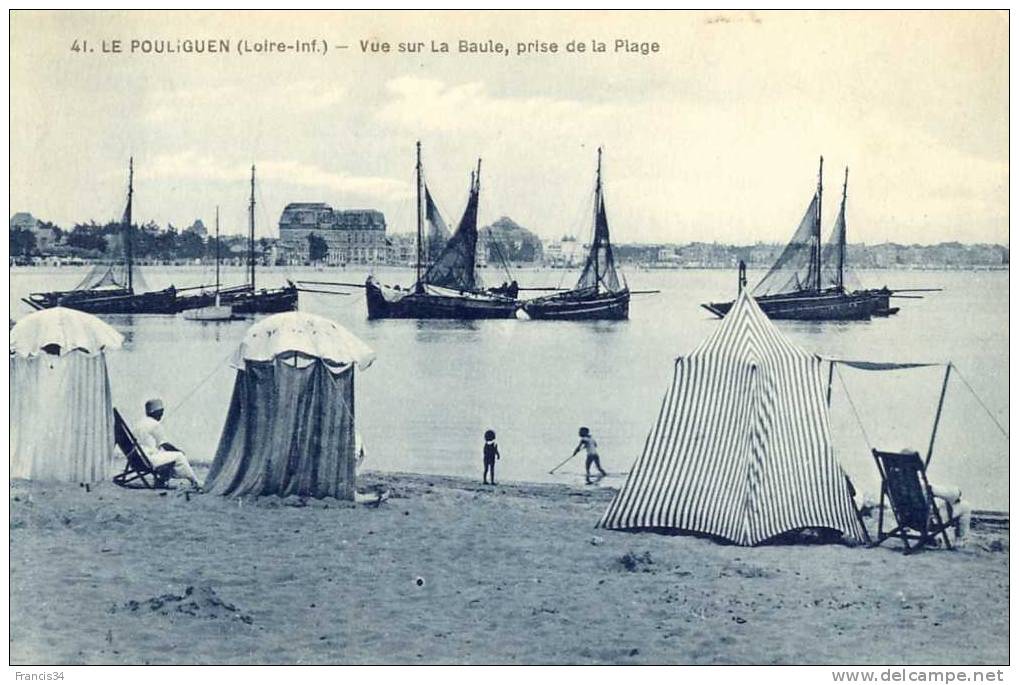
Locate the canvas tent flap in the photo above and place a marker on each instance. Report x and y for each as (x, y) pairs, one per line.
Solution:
(884, 366)
(289, 431)
(61, 418)
(742, 446)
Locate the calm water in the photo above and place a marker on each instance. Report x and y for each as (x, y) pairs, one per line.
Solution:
(437, 385)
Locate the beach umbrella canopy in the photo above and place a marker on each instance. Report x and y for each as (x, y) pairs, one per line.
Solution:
(309, 334)
(68, 328)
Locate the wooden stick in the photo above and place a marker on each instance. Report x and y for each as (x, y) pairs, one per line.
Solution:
(644, 292)
(562, 463)
(831, 376)
(937, 416)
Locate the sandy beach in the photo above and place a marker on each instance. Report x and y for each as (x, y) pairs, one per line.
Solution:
(450, 571)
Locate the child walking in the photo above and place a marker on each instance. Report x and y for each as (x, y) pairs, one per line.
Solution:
(588, 443)
(491, 453)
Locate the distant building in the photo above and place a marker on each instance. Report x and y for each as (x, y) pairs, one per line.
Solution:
(565, 252)
(402, 249)
(667, 255)
(24, 221)
(45, 236)
(354, 236)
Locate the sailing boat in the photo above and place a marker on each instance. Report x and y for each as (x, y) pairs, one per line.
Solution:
(450, 287)
(217, 311)
(808, 280)
(245, 299)
(599, 293)
(112, 288)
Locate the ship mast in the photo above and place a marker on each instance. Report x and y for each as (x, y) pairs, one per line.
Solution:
(417, 284)
(128, 248)
(817, 228)
(842, 237)
(217, 249)
(477, 192)
(597, 209)
(251, 232)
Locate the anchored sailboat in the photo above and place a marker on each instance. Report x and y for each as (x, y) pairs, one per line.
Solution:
(217, 311)
(245, 299)
(112, 288)
(808, 281)
(450, 287)
(600, 293)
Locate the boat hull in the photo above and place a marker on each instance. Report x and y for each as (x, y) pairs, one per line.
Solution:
(243, 300)
(211, 313)
(824, 306)
(108, 302)
(389, 303)
(264, 301)
(567, 307)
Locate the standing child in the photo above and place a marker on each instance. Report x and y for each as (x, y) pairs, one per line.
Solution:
(491, 453)
(588, 443)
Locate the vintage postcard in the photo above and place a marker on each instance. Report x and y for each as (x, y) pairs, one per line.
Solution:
(518, 337)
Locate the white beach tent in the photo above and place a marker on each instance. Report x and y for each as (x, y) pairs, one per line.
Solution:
(742, 445)
(290, 426)
(61, 411)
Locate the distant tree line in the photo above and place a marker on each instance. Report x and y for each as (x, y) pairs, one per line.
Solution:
(22, 242)
(148, 241)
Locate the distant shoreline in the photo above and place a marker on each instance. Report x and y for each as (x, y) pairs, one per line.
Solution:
(523, 267)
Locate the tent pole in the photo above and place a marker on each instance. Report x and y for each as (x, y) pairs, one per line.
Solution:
(937, 416)
(831, 375)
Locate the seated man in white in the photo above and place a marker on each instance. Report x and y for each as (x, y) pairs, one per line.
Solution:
(952, 496)
(149, 433)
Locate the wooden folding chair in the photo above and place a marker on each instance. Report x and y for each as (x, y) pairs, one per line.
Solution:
(905, 486)
(138, 467)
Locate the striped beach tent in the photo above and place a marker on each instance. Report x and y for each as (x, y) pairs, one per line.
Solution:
(742, 445)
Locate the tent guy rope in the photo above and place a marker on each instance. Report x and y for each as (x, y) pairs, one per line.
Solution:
(983, 406)
(852, 405)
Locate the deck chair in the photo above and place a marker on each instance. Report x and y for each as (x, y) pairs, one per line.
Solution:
(905, 486)
(138, 467)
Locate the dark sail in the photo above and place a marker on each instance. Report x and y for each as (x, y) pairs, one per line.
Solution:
(794, 270)
(455, 266)
(833, 255)
(834, 273)
(438, 232)
(798, 268)
(600, 269)
(119, 273)
(600, 293)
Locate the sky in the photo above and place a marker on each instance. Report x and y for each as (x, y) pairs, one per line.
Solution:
(715, 137)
